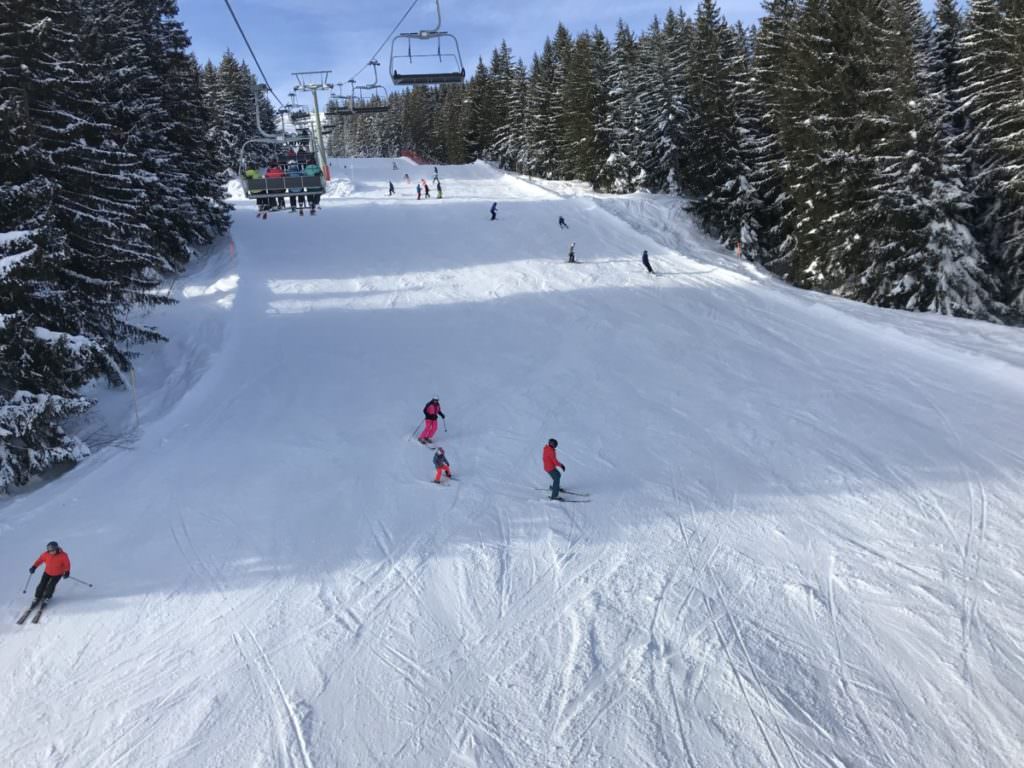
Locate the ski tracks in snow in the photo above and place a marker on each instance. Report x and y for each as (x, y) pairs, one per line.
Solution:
(278, 708)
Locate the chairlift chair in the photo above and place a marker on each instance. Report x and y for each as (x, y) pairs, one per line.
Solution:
(275, 189)
(455, 73)
(372, 98)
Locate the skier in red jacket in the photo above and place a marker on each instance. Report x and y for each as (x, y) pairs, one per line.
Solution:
(57, 567)
(551, 465)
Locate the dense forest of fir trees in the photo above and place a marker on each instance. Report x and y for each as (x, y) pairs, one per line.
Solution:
(113, 143)
(857, 147)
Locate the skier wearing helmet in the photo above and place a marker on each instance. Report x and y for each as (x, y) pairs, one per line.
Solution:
(57, 566)
(430, 413)
(551, 465)
(441, 465)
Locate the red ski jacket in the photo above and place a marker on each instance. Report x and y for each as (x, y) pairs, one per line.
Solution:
(550, 459)
(57, 564)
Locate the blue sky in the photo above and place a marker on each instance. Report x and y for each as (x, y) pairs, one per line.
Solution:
(342, 34)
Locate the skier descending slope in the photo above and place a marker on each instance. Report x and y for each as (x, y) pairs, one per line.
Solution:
(441, 465)
(430, 413)
(551, 465)
(646, 261)
(56, 566)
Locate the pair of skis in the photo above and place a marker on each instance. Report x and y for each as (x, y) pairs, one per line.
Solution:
(38, 612)
(583, 498)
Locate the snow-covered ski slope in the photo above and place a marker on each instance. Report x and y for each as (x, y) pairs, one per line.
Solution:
(803, 545)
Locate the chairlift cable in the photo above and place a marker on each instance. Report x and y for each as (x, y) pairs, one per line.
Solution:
(387, 39)
(253, 53)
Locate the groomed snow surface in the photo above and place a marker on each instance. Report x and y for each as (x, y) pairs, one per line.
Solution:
(803, 545)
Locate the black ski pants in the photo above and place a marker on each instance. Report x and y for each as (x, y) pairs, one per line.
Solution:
(556, 483)
(46, 586)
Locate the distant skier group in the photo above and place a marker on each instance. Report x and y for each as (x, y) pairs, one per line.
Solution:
(422, 186)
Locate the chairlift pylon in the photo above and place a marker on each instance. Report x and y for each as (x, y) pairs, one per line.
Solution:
(456, 73)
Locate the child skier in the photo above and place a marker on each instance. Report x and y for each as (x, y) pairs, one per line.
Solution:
(551, 465)
(57, 566)
(430, 413)
(441, 466)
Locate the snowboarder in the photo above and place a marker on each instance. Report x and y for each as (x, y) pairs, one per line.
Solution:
(646, 262)
(441, 465)
(439, 195)
(561, 223)
(430, 413)
(494, 211)
(57, 566)
(391, 188)
(572, 252)
(551, 465)
(419, 192)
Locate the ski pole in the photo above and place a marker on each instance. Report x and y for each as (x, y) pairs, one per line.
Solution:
(26, 584)
(444, 421)
(80, 581)
(418, 425)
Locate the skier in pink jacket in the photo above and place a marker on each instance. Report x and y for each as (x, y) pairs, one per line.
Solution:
(430, 413)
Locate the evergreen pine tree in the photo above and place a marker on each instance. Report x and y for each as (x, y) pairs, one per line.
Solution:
(620, 130)
(715, 174)
(993, 71)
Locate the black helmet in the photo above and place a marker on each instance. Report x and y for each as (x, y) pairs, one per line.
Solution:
(52, 546)
(553, 443)
(439, 450)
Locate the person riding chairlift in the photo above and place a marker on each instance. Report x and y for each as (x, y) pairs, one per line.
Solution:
(275, 172)
(312, 170)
